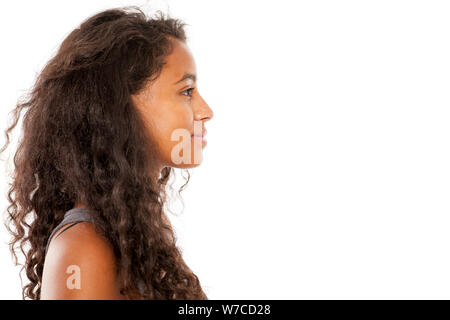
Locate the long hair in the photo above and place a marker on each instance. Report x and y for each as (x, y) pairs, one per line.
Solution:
(83, 140)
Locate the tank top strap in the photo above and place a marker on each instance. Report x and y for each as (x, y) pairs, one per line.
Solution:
(76, 215)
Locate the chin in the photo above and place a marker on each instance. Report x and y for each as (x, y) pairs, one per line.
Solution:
(193, 161)
(186, 165)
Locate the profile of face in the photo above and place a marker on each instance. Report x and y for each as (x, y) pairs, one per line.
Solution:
(174, 111)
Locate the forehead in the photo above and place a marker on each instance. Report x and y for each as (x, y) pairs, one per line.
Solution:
(179, 61)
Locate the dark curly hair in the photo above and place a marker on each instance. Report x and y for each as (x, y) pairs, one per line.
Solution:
(83, 141)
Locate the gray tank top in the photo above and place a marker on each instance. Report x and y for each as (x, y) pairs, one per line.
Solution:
(73, 217)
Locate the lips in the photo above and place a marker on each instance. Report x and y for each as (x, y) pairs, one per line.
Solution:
(200, 136)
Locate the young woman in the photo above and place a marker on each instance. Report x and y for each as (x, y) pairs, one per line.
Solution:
(101, 137)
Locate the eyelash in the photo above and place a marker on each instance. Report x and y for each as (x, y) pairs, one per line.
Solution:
(192, 89)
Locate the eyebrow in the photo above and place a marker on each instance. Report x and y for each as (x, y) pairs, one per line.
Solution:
(187, 76)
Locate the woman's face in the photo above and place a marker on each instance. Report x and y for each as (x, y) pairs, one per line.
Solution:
(174, 110)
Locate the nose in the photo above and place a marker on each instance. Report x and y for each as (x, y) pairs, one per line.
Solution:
(203, 112)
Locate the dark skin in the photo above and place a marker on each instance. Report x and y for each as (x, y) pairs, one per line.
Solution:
(166, 105)
(80, 246)
(169, 104)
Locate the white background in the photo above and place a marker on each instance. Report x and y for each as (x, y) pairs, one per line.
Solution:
(327, 169)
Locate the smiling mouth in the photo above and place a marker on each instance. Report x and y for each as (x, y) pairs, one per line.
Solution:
(200, 136)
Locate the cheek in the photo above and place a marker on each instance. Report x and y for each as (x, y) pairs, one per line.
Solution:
(181, 119)
(171, 125)
(167, 115)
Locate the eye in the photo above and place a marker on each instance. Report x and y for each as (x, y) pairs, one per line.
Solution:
(190, 92)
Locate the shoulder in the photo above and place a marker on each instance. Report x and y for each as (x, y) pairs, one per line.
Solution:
(80, 264)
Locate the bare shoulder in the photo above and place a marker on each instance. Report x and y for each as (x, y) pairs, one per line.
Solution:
(80, 264)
